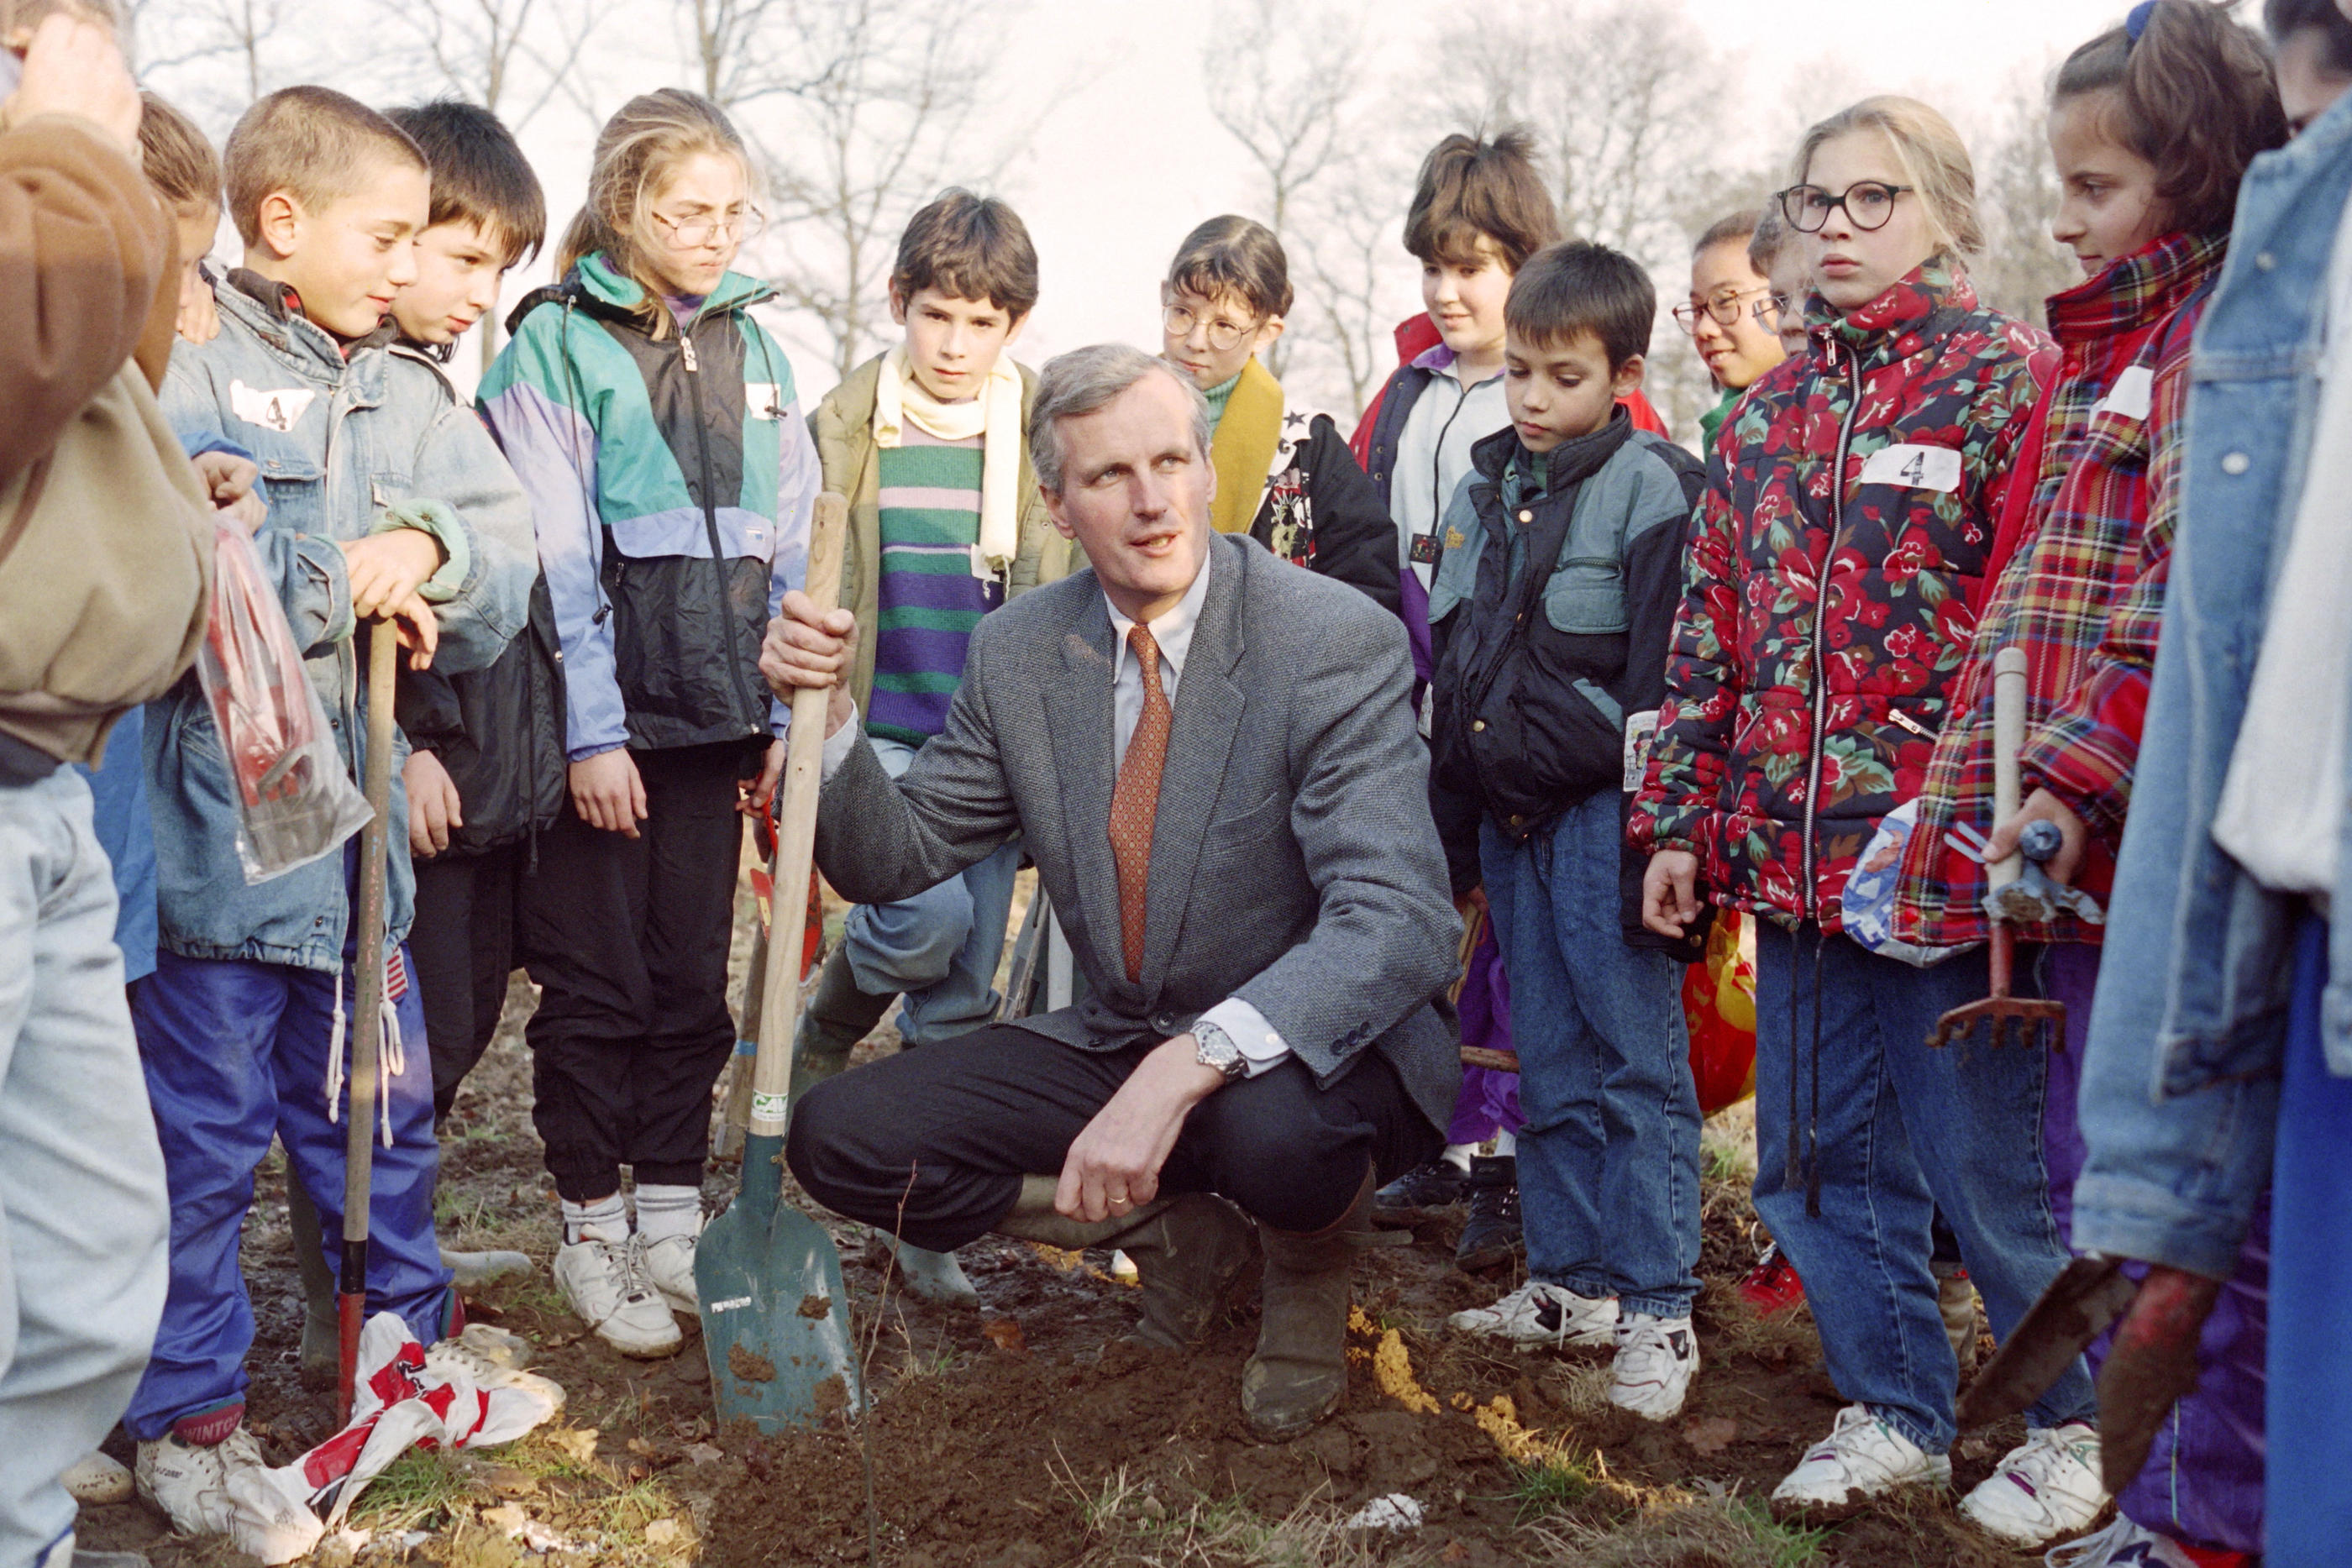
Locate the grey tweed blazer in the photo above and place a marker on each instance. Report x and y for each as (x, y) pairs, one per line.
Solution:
(1294, 860)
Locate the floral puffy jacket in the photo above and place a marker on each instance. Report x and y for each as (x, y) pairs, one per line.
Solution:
(1875, 462)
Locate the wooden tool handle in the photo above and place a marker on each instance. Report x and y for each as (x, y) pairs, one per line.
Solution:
(779, 997)
(2008, 740)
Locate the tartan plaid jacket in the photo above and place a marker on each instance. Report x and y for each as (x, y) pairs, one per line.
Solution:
(2083, 593)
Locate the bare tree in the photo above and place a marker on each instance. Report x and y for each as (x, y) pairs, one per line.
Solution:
(176, 34)
(1294, 109)
(511, 57)
(872, 116)
(2017, 197)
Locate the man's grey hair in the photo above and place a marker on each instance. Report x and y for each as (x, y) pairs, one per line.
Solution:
(1083, 381)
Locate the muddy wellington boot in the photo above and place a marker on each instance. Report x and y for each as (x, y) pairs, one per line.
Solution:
(321, 1356)
(1299, 1374)
(1191, 1253)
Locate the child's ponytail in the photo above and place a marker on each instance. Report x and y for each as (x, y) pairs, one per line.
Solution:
(637, 153)
(2195, 96)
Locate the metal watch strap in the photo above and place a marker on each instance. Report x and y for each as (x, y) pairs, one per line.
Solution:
(1213, 1046)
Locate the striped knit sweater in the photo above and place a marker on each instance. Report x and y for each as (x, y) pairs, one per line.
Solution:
(928, 599)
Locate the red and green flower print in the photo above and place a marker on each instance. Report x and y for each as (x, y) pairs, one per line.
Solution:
(1867, 470)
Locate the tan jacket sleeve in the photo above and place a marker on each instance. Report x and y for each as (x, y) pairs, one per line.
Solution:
(84, 250)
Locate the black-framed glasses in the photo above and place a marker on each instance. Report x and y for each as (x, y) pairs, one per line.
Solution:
(1223, 336)
(1724, 308)
(1868, 204)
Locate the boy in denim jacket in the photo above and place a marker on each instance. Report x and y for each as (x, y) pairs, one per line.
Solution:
(385, 496)
(1549, 614)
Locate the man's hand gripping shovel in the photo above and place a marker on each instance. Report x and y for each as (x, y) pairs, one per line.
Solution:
(2153, 1359)
(775, 1319)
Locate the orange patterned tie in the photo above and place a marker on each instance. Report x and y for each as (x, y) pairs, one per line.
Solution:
(1135, 799)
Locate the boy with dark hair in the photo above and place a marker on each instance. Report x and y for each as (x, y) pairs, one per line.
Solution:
(929, 442)
(386, 498)
(1553, 601)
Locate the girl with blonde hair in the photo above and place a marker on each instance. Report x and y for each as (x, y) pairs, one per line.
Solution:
(671, 478)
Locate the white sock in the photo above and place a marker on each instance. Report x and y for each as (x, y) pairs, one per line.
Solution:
(667, 1210)
(1458, 1155)
(602, 1220)
(1506, 1145)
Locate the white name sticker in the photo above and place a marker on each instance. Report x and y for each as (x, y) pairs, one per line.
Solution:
(763, 400)
(1913, 467)
(2132, 396)
(1640, 729)
(279, 410)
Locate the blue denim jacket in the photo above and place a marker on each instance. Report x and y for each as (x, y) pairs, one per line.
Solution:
(337, 443)
(2179, 1090)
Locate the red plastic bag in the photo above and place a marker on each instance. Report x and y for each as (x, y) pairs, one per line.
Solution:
(1720, 1004)
(294, 802)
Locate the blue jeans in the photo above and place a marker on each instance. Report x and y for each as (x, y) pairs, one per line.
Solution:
(1609, 1156)
(1904, 1129)
(2309, 1507)
(236, 1053)
(939, 949)
(83, 1216)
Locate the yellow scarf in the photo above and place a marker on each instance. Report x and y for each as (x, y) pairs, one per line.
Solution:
(1244, 447)
(994, 416)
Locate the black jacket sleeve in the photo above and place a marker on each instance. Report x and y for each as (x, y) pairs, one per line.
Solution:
(1355, 539)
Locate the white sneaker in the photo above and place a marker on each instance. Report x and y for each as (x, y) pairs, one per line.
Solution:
(492, 1358)
(187, 1482)
(1540, 1314)
(95, 1478)
(1656, 1359)
(2046, 1487)
(2122, 1544)
(669, 1262)
(1862, 1458)
(605, 1283)
(226, 1489)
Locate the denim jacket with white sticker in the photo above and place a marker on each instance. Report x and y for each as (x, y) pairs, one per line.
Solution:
(339, 440)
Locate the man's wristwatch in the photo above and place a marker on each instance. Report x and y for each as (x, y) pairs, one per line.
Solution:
(1213, 1046)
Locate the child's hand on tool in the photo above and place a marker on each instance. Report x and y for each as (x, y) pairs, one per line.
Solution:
(388, 568)
(418, 629)
(607, 792)
(2042, 806)
(763, 790)
(434, 810)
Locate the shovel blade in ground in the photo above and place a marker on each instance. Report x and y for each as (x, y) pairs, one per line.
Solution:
(2088, 1295)
(775, 1319)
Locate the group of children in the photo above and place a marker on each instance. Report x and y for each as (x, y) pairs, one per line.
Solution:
(1649, 685)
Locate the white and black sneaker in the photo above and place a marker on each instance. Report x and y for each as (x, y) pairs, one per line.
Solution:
(604, 1282)
(1656, 1359)
(1537, 1314)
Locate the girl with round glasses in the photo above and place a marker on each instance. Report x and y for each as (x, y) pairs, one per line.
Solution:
(1836, 554)
(1285, 475)
(1735, 337)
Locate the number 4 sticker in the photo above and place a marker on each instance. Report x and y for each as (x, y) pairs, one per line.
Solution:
(1913, 467)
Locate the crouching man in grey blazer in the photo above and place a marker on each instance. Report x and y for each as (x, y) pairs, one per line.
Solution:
(1212, 757)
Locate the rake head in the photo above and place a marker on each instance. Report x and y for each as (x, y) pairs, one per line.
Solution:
(2004, 1020)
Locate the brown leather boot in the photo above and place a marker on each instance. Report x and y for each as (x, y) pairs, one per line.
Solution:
(1299, 1374)
(1190, 1252)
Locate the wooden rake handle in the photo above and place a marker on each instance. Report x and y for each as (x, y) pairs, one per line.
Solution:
(780, 988)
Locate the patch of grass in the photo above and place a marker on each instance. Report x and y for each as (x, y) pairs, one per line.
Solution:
(1131, 1525)
(415, 1492)
(1555, 1486)
(1690, 1532)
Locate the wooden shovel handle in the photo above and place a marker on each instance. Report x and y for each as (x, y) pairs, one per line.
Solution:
(780, 994)
(2008, 740)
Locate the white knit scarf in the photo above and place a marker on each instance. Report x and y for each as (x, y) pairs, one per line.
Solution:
(994, 416)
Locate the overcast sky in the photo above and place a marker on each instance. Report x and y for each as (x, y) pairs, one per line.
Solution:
(1126, 157)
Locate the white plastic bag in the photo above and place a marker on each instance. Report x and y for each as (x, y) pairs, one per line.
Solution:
(1868, 903)
(294, 802)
